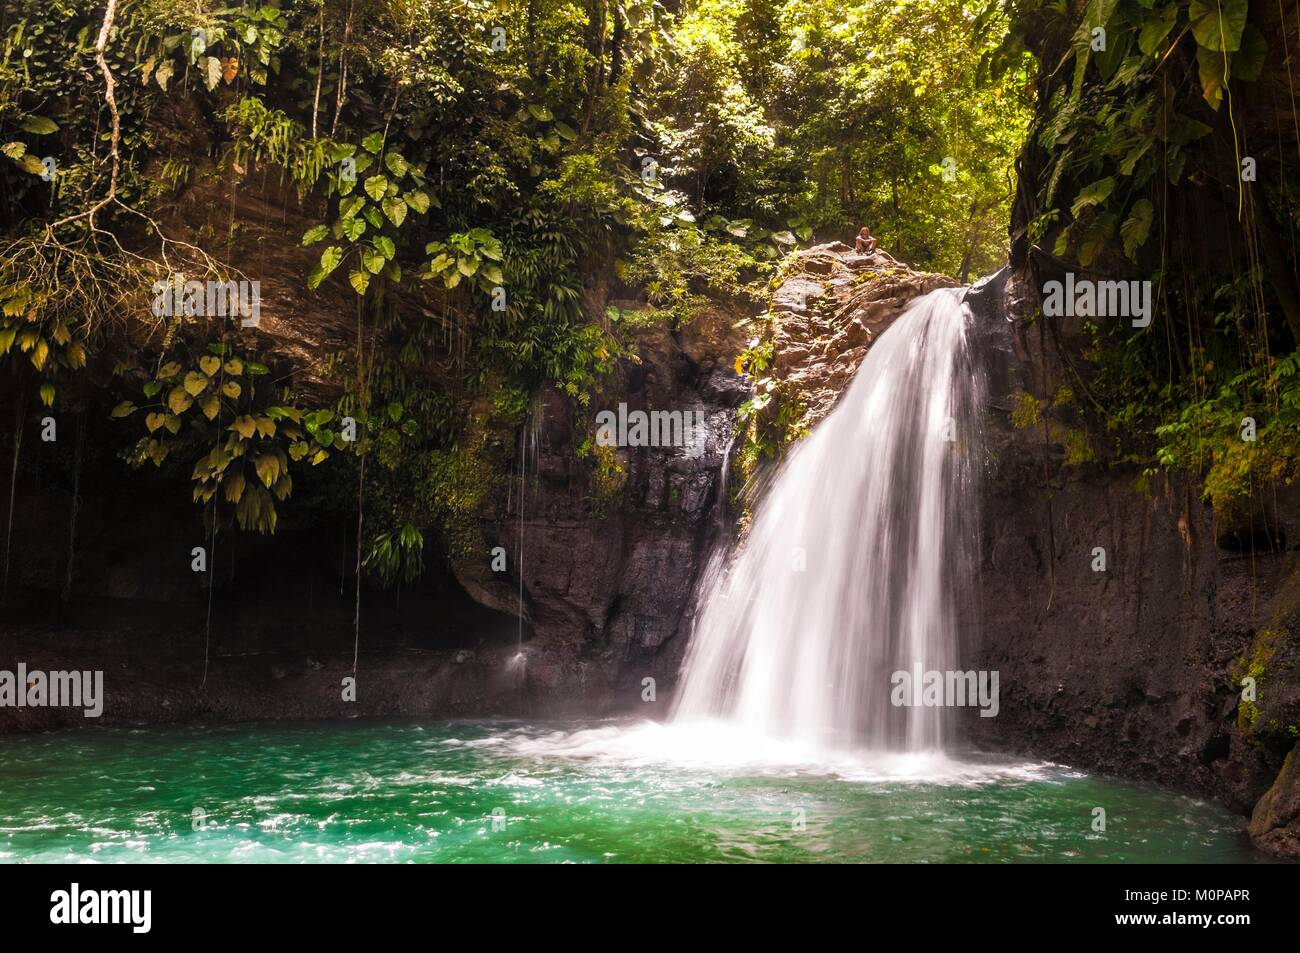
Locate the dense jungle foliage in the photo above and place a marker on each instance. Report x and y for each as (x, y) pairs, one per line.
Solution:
(426, 189)
(1165, 147)
(461, 169)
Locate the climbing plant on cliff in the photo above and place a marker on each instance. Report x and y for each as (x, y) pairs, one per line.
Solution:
(1164, 149)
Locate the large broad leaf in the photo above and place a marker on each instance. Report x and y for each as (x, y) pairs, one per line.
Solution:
(1093, 194)
(234, 486)
(209, 364)
(1217, 24)
(396, 164)
(1156, 27)
(1098, 13)
(395, 209)
(360, 280)
(373, 142)
(353, 228)
(372, 260)
(268, 468)
(179, 401)
(211, 72)
(195, 383)
(164, 73)
(1184, 129)
(1137, 227)
(541, 113)
(1248, 63)
(313, 235)
(385, 246)
(329, 260)
(1214, 68)
(376, 185)
(418, 200)
(39, 125)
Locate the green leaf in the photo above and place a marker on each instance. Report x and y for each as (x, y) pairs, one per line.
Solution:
(1248, 64)
(1214, 73)
(14, 150)
(565, 131)
(373, 142)
(360, 280)
(1136, 227)
(329, 260)
(350, 207)
(540, 113)
(372, 260)
(396, 164)
(124, 409)
(178, 400)
(47, 394)
(418, 200)
(353, 228)
(313, 235)
(385, 246)
(395, 209)
(39, 125)
(1217, 24)
(1093, 194)
(375, 186)
(1156, 28)
(371, 215)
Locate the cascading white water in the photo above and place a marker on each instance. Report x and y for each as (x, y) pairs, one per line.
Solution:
(859, 556)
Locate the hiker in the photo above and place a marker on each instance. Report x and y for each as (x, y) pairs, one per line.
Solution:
(864, 244)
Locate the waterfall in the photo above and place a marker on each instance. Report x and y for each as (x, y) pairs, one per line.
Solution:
(859, 558)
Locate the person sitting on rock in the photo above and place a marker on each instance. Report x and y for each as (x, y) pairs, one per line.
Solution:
(865, 243)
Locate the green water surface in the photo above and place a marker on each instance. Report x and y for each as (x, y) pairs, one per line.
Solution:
(515, 792)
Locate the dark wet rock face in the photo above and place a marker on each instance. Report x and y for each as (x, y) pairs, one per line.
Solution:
(1120, 627)
(1275, 823)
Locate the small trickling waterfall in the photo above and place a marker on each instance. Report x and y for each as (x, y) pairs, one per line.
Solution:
(858, 556)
